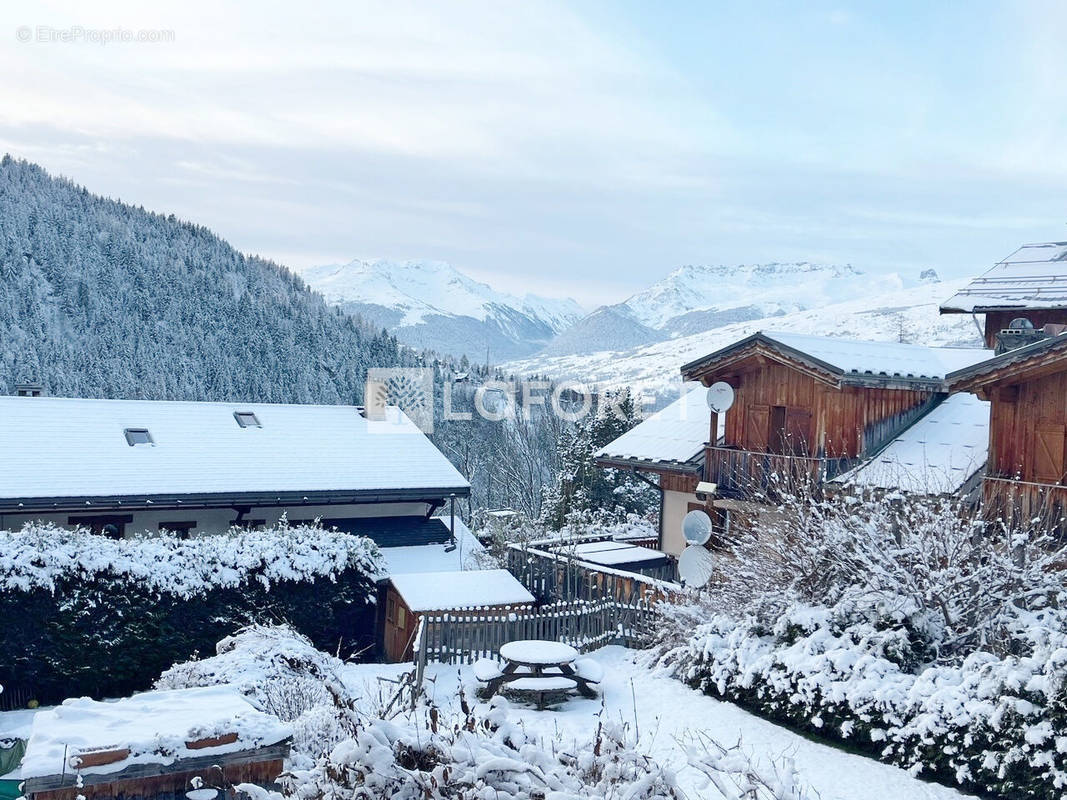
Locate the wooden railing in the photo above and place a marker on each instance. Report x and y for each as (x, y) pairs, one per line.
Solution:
(745, 474)
(466, 635)
(1026, 504)
(555, 576)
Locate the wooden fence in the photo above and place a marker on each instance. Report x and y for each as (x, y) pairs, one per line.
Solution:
(464, 636)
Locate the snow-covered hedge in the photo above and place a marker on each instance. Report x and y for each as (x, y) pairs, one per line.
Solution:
(987, 723)
(86, 615)
(915, 628)
(44, 556)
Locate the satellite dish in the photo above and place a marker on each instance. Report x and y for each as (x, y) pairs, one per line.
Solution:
(695, 566)
(696, 528)
(720, 396)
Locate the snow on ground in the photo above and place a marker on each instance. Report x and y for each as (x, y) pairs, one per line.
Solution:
(908, 314)
(665, 711)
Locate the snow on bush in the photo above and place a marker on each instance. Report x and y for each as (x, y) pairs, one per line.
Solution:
(41, 556)
(909, 628)
(281, 672)
(351, 746)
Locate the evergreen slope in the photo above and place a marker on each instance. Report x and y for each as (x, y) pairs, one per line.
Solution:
(104, 299)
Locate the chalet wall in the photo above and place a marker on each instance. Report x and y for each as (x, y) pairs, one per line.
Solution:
(818, 419)
(218, 520)
(675, 507)
(1028, 430)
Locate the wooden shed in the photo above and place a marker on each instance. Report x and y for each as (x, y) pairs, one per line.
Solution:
(153, 746)
(410, 595)
(808, 408)
(1027, 388)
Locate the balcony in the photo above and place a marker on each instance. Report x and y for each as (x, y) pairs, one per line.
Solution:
(1026, 503)
(749, 475)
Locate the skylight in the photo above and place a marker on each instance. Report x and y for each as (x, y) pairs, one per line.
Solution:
(135, 436)
(247, 419)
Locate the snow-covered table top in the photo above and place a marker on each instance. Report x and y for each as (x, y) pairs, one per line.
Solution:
(537, 651)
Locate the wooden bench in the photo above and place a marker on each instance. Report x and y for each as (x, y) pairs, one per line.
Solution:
(541, 686)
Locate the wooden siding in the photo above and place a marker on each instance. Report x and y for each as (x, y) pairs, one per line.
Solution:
(780, 409)
(996, 321)
(675, 482)
(1028, 429)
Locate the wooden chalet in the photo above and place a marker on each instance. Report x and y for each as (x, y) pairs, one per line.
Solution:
(1029, 285)
(808, 409)
(1027, 388)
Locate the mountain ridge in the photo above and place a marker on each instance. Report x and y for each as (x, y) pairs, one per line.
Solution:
(430, 304)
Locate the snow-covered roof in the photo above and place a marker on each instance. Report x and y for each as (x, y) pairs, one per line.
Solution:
(610, 553)
(851, 359)
(674, 435)
(938, 454)
(1034, 276)
(74, 449)
(438, 557)
(443, 591)
(155, 727)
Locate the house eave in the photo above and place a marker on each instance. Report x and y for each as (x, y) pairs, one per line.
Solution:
(30, 505)
(617, 462)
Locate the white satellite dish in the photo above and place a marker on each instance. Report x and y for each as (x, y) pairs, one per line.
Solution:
(695, 566)
(696, 528)
(720, 397)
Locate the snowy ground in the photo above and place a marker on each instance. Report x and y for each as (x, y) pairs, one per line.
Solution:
(665, 711)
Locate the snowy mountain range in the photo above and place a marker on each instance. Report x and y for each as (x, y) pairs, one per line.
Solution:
(429, 304)
(878, 309)
(694, 299)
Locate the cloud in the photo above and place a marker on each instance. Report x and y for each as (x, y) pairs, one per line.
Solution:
(559, 147)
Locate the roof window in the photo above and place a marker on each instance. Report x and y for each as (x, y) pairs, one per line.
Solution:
(135, 436)
(247, 419)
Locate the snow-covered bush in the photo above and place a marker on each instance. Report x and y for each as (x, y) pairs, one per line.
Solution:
(909, 628)
(44, 556)
(351, 746)
(87, 615)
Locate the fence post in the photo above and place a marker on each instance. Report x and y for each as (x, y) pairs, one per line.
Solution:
(420, 661)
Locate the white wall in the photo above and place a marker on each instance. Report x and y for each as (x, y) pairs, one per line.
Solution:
(217, 520)
(675, 507)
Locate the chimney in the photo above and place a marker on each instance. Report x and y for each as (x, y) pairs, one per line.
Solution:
(29, 390)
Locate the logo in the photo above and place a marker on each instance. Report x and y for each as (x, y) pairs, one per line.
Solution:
(395, 393)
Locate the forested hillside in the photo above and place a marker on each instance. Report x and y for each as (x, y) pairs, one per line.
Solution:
(108, 300)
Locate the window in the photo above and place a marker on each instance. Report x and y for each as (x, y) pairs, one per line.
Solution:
(180, 529)
(247, 419)
(135, 436)
(112, 526)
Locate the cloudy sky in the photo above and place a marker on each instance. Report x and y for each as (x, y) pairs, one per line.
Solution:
(577, 149)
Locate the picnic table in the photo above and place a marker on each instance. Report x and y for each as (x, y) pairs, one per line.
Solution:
(540, 668)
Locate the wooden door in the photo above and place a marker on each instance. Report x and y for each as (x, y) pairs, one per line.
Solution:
(797, 432)
(757, 425)
(1050, 441)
